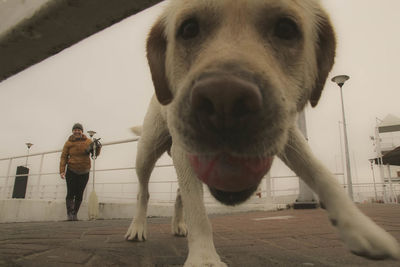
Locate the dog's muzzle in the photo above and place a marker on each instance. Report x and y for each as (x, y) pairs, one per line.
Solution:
(227, 108)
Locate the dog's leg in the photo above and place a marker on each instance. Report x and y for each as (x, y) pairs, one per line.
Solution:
(178, 224)
(200, 240)
(154, 141)
(360, 234)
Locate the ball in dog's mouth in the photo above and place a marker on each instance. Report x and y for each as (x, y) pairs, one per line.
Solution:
(228, 176)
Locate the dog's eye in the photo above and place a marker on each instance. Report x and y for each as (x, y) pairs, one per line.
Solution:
(286, 29)
(189, 29)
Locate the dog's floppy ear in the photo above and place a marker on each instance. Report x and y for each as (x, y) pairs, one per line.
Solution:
(156, 50)
(325, 53)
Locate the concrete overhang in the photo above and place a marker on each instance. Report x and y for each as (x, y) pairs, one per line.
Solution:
(33, 30)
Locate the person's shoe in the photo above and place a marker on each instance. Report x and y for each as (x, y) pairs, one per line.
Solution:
(76, 209)
(70, 209)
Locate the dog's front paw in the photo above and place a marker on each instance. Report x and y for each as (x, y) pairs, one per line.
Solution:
(218, 263)
(364, 238)
(204, 259)
(179, 228)
(137, 231)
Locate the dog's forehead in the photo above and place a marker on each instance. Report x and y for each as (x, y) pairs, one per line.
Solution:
(178, 10)
(177, 7)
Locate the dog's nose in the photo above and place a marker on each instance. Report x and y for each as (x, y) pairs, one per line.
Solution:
(225, 102)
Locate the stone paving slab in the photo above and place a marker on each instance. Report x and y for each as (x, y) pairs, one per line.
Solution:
(273, 238)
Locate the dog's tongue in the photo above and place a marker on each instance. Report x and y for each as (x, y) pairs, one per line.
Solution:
(229, 173)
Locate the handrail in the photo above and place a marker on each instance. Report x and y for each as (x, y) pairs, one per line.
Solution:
(122, 189)
(60, 150)
(100, 170)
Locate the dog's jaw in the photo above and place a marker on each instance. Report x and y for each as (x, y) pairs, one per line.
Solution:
(232, 198)
(230, 175)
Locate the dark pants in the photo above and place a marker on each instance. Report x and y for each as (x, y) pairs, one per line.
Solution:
(76, 184)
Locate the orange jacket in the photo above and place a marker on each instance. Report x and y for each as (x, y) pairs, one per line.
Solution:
(75, 155)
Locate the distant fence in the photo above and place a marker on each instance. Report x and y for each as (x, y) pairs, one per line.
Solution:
(116, 179)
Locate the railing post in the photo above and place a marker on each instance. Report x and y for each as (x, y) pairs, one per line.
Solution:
(85, 196)
(29, 189)
(5, 189)
(170, 192)
(40, 176)
(102, 191)
(42, 191)
(393, 196)
(273, 188)
(268, 190)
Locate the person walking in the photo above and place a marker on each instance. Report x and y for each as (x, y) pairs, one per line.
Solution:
(75, 168)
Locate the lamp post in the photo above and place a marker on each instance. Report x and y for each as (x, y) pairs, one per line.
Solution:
(340, 80)
(27, 156)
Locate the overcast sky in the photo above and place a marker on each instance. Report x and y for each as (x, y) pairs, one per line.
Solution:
(104, 83)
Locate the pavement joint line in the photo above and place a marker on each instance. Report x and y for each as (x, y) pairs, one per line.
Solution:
(91, 256)
(274, 218)
(311, 258)
(35, 254)
(83, 234)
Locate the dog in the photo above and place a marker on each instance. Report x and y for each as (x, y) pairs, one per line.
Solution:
(230, 78)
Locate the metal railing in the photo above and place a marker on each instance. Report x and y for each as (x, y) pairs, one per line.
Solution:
(36, 187)
(119, 183)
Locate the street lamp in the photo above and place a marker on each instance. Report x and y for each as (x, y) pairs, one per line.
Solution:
(340, 80)
(28, 146)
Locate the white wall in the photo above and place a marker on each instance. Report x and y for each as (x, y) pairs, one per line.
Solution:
(23, 210)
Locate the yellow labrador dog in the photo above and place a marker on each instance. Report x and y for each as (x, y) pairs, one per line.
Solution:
(230, 77)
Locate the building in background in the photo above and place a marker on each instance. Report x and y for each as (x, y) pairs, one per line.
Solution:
(387, 147)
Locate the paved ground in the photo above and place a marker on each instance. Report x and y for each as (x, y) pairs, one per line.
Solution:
(280, 238)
